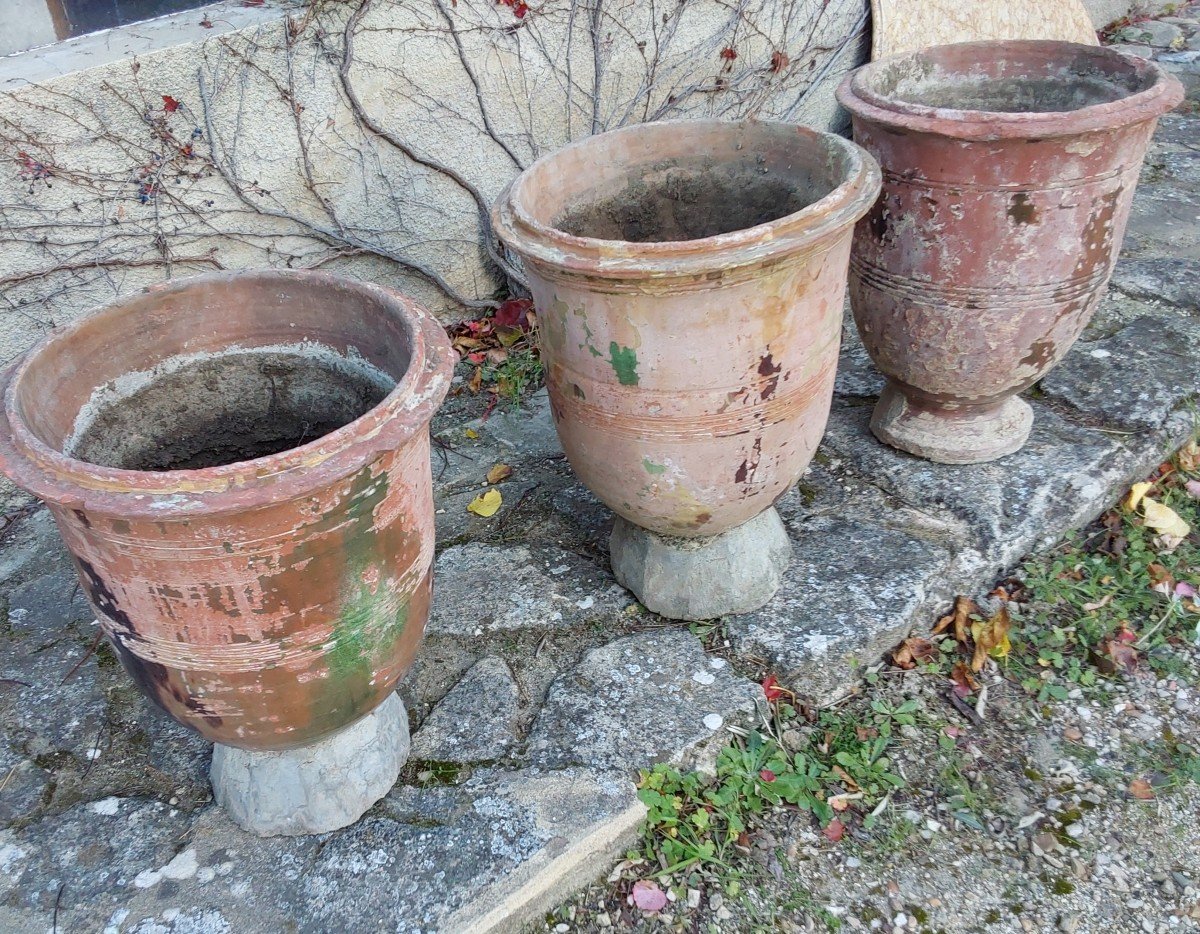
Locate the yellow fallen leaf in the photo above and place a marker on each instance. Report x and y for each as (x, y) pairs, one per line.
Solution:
(471, 433)
(1166, 522)
(498, 473)
(1189, 456)
(486, 504)
(1136, 492)
(991, 638)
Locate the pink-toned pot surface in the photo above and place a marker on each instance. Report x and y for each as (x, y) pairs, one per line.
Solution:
(1008, 173)
(689, 281)
(239, 466)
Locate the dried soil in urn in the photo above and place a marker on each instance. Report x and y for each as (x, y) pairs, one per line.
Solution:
(210, 410)
(687, 202)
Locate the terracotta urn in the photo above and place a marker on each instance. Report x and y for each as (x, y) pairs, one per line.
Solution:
(239, 467)
(689, 281)
(1008, 173)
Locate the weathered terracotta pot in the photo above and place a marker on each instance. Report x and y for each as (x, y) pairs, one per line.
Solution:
(239, 466)
(1009, 169)
(689, 281)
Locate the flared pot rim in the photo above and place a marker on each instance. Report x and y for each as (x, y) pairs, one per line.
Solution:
(67, 482)
(552, 248)
(1163, 94)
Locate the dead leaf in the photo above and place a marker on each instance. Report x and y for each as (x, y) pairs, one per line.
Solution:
(842, 802)
(472, 434)
(648, 896)
(1118, 652)
(845, 777)
(834, 830)
(1099, 605)
(1193, 488)
(498, 473)
(1161, 579)
(1140, 788)
(486, 504)
(991, 638)
(960, 619)
(911, 651)
(1166, 522)
(964, 681)
(1189, 456)
(1136, 492)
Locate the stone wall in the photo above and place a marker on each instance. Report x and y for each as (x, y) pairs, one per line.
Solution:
(367, 137)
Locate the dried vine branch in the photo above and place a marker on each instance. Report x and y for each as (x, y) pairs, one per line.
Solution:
(291, 146)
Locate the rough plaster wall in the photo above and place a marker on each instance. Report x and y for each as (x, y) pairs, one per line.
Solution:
(106, 186)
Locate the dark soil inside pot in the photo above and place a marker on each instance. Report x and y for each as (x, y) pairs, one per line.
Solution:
(189, 414)
(687, 202)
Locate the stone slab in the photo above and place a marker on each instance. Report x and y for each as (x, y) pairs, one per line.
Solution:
(483, 856)
(475, 721)
(640, 700)
(853, 591)
(1173, 282)
(484, 589)
(1065, 475)
(1134, 379)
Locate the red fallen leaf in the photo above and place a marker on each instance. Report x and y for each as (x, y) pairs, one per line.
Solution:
(771, 688)
(477, 356)
(170, 105)
(1140, 788)
(834, 831)
(1118, 652)
(729, 53)
(206, 23)
(513, 313)
(767, 775)
(648, 896)
(779, 61)
(520, 9)
(952, 731)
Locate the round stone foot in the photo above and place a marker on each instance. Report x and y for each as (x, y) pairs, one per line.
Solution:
(702, 578)
(317, 788)
(951, 436)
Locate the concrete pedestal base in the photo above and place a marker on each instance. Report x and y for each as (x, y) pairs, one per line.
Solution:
(317, 788)
(963, 436)
(702, 578)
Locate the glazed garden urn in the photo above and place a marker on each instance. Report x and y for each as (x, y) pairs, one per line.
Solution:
(239, 467)
(689, 281)
(1008, 173)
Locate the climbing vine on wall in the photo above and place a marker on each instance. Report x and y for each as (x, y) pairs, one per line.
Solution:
(369, 136)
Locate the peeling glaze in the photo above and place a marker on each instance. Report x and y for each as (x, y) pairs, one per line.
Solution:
(690, 379)
(264, 603)
(996, 231)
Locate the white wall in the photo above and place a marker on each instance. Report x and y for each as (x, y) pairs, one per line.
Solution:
(105, 186)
